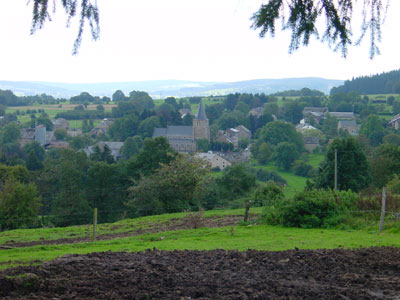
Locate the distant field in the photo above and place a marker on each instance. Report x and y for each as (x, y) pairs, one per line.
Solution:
(53, 110)
(64, 107)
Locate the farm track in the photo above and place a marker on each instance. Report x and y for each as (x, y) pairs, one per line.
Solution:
(188, 222)
(370, 273)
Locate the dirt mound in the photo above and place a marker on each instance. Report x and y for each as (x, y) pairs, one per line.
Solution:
(372, 273)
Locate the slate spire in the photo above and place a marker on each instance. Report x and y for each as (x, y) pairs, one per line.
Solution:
(201, 114)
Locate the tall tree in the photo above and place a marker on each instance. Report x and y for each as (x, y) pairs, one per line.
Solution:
(153, 154)
(278, 132)
(352, 165)
(118, 96)
(106, 190)
(285, 154)
(237, 181)
(170, 189)
(19, 204)
(385, 163)
(62, 186)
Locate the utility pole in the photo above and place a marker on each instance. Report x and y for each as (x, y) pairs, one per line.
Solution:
(335, 185)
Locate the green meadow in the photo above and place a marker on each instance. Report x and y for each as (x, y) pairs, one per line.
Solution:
(240, 237)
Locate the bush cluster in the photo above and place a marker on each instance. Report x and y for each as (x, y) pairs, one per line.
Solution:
(312, 209)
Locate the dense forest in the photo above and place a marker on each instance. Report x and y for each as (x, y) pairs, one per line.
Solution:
(385, 83)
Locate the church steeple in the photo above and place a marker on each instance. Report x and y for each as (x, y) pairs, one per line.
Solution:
(201, 127)
(201, 113)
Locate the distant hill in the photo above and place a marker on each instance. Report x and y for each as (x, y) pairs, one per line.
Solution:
(384, 83)
(164, 88)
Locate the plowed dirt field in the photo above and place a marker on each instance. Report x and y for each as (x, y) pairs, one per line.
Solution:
(370, 273)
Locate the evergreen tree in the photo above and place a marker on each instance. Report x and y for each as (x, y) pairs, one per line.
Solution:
(352, 165)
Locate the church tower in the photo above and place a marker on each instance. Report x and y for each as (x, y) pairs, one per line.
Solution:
(201, 127)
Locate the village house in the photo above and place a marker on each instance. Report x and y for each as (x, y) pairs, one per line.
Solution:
(115, 148)
(318, 113)
(257, 112)
(303, 126)
(310, 143)
(349, 125)
(75, 132)
(101, 128)
(39, 134)
(395, 121)
(183, 138)
(184, 111)
(215, 160)
(60, 123)
(58, 144)
(237, 157)
(233, 135)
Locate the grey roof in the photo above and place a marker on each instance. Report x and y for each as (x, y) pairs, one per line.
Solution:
(309, 109)
(395, 118)
(159, 132)
(241, 127)
(112, 145)
(173, 130)
(342, 115)
(27, 133)
(115, 148)
(311, 140)
(180, 130)
(50, 136)
(348, 123)
(201, 114)
(60, 123)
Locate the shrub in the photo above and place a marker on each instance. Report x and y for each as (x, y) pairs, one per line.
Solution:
(301, 168)
(267, 195)
(313, 209)
(264, 175)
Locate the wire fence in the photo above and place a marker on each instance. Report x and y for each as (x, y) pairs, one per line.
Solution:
(109, 216)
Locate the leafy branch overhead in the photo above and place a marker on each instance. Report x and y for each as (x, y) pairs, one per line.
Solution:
(299, 16)
(86, 10)
(303, 16)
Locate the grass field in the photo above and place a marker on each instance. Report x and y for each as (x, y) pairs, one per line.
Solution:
(260, 237)
(294, 183)
(315, 159)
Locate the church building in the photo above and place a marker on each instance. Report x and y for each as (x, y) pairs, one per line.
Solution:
(183, 138)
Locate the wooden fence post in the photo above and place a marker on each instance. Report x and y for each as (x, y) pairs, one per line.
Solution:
(383, 211)
(336, 172)
(247, 208)
(94, 224)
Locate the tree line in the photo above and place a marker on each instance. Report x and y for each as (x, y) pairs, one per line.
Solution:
(384, 83)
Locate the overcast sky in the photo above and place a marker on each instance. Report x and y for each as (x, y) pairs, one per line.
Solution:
(202, 40)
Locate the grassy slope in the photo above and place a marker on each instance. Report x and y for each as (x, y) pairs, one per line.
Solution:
(294, 183)
(261, 237)
(315, 159)
(28, 235)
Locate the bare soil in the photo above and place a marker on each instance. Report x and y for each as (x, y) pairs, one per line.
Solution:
(370, 273)
(191, 220)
